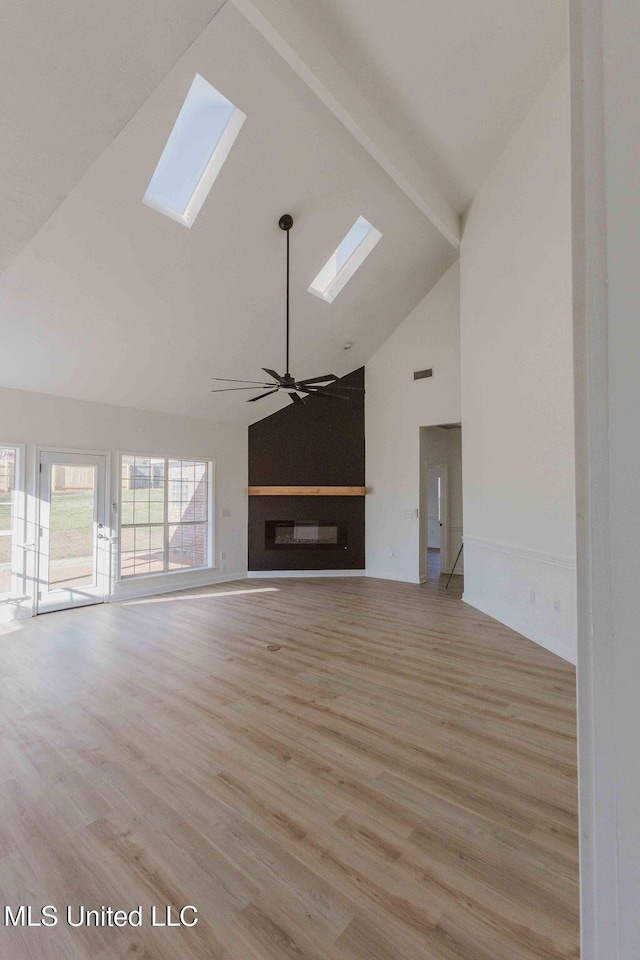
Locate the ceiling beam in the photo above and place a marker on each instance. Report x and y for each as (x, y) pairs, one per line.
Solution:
(288, 33)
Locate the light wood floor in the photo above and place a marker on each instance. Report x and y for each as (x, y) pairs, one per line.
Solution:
(397, 781)
(434, 565)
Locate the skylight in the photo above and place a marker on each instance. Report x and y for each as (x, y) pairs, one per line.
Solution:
(198, 145)
(351, 252)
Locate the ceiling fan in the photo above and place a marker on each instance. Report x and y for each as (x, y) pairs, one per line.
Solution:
(297, 389)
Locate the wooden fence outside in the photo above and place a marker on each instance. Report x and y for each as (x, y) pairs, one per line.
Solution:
(68, 477)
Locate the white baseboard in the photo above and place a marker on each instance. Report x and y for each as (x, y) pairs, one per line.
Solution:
(529, 591)
(273, 574)
(135, 588)
(391, 579)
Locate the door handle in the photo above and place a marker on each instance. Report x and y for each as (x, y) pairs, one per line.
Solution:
(26, 546)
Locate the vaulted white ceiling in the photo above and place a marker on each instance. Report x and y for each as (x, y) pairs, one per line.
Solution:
(105, 299)
(73, 74)
(453, 78)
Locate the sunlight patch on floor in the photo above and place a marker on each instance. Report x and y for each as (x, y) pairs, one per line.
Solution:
(199, 596)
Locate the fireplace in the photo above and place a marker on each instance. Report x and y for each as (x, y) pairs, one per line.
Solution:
(305, 464)
(304, 534)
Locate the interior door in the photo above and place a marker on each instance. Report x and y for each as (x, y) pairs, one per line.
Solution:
(73, 543)
(445, 545)
(434, 522)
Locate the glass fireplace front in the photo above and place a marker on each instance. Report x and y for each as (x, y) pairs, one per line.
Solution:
(307, 534)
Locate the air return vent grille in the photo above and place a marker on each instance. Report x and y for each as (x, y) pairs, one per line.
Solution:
(422, 374)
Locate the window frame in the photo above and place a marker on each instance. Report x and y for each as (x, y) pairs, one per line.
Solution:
(217, 158)
(350, 267)
(18, 528)
(209, 523)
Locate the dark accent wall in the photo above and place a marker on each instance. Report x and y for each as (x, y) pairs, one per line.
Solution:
(321, 443)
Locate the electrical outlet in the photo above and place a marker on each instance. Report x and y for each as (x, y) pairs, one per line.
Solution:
(532, 596)
(393, 554)
(223, 556)
(556, 605)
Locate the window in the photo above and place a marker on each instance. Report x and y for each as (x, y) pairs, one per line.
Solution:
(164, 515)
(198, 145)
(345, 260)
(8, 518)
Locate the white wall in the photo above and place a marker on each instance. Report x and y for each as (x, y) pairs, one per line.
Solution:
(606, 146)
(396, 406)
(43, 420)
(517, 388)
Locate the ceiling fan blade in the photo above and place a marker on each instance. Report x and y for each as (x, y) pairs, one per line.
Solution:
(327, 394)
(309, 380)
(258, 383)
(339, 386)
(261, 395)
(256, 386)
(296, 398)
(320, 391)
(276, 376)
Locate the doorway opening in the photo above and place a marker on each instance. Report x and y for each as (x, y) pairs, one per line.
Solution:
(441, 504)
(434, 520)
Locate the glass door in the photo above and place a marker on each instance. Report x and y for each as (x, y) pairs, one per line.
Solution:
(73, 547)
(8, 463)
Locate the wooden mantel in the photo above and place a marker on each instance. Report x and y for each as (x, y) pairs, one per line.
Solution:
(307, 491)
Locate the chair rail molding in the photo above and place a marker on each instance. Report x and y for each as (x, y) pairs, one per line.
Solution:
(512, 549)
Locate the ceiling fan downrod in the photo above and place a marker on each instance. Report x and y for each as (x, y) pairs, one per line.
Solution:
(285, 223)
(297, 390)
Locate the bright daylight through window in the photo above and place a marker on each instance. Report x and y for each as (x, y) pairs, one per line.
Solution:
(164, 515)
(351, 252)
(8, 463)
(198, 145)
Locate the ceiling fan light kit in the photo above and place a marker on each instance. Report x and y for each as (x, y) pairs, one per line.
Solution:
(297, 390)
